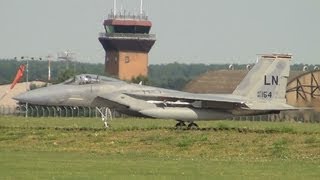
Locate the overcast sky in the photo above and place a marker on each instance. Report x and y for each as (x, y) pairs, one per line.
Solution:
(199, 31)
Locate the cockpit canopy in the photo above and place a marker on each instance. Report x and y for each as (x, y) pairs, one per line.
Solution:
(83, 79)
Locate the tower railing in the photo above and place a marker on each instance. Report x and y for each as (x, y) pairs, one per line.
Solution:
(127, 36)
(128, 16)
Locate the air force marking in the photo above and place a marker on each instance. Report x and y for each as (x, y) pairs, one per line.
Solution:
(271, 80)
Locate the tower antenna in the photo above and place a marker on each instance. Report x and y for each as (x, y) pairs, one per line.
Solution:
(114, 8)
(141, 8)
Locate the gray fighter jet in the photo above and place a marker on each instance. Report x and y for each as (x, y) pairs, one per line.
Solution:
(262, 91)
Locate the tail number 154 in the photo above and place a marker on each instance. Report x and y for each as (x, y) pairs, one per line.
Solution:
(264, 94)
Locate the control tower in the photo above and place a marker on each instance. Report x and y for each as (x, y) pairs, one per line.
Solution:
(127, 43)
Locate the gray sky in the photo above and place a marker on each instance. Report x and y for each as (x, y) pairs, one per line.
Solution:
(206, 31)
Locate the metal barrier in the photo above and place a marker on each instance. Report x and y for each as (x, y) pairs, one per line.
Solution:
(8, 110)
(306, 116)
(53, 111)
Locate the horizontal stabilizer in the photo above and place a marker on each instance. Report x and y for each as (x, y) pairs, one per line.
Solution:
(269, 106)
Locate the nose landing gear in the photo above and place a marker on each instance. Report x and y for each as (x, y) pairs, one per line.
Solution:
(106, 115)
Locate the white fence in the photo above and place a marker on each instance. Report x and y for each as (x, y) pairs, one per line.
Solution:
(308, 116)
(53, 111)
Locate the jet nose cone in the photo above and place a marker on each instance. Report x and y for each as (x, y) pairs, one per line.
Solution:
(21, 97)
(28, 97)
(31, 97)
(52, 95)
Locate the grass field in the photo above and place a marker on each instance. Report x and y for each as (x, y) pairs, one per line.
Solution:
(75, 148)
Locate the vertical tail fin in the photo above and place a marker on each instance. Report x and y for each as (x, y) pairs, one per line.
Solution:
(267, 80)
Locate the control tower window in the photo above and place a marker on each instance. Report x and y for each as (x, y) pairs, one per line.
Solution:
(109, 29)
(132, 29)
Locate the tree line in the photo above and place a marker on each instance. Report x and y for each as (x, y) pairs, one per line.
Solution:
(174, 75)
(38, 70)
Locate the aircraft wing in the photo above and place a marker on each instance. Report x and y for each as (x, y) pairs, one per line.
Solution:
(224, 101)
(178, 95)
(197, 100)
(177, 98)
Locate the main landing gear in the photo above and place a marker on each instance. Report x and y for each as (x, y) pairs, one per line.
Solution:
(193, 125)
(182, 125)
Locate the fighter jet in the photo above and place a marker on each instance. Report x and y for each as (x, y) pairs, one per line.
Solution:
(262, 91)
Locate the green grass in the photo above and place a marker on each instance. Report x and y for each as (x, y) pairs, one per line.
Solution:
(81, 148)
(137, 123)
(64, 165)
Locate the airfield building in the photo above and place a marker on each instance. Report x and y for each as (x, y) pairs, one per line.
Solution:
(127, 43)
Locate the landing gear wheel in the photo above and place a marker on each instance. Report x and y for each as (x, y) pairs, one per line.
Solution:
(180, 125)
(193, 125)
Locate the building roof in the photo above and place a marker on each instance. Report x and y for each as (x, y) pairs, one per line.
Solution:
(220, 81)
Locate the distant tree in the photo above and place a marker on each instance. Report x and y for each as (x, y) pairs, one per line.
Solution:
(172, 75)
(65, 74)
(143, 79)
(175, 75)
